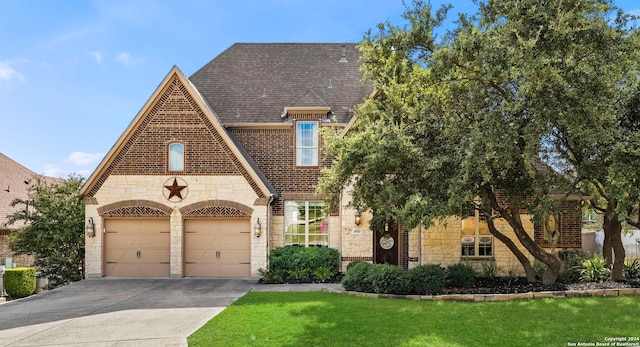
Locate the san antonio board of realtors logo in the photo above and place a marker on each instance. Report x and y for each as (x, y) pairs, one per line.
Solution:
(175, 189)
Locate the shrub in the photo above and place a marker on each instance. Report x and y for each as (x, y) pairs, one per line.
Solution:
(271, 276)
(571, 259)
(427, 279)
(20, 282)
(389, 279)
(356, 277)
(460, 275)
(594, 269)
(490, 268)
(302, 262)
(538, 269)
(323, 273)
(631, 269)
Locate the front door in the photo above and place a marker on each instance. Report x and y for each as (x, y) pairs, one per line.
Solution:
(386, 243)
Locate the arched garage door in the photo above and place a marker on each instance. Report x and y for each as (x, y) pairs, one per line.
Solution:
(137, 247)
(217, 247)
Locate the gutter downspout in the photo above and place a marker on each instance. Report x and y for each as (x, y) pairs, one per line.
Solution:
(271, 197)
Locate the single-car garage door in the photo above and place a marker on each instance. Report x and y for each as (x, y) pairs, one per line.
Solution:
(137, 247)
(217, 247)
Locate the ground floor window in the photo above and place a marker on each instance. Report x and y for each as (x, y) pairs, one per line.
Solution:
(306, 223)
(476, 238)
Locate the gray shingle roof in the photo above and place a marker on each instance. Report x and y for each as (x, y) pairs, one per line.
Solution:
(12, 186)
(253, 82)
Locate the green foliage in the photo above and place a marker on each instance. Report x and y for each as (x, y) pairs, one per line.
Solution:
(323, 273)
(357, 275)
(594, 269)
(303, 262)
(460, 275)
(20, 282)
(632, 270)
(539, 269)
(428, 279)
(389, 279)
(453, 120)
(490, 268)
(54, 231)
(571, 259)
(271, 276)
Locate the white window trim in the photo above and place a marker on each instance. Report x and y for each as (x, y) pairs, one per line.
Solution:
(174, 157)
(315, 147)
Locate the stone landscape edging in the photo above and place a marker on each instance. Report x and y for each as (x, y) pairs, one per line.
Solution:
(498, 297)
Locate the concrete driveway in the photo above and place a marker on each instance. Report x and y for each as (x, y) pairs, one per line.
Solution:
(118, 312)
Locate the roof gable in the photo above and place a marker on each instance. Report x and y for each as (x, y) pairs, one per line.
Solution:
(176, 112)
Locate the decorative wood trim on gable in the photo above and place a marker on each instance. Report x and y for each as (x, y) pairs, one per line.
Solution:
(216, 209)
(135, 208)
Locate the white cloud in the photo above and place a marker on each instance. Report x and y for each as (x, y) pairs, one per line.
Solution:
(85, 159)
(124, 58)
(7, 73)
(55, 171)
(97, 56)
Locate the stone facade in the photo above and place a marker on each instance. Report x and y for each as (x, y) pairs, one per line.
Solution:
(150, 189)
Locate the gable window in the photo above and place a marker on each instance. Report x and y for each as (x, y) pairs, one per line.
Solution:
(307, 143)
(306, 223)
(176, 157)
(476, 238)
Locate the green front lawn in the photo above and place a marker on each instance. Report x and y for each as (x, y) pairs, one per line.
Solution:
(324, 319)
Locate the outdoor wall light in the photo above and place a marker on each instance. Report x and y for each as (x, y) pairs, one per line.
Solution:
(257, 228)
(91, 228)
(357, 219)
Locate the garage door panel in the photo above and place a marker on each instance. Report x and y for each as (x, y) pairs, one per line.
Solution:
(217, 247)
(121, 255)
(121, 269)
(234, 270)
(235, 256)
(235, 241)
(153, 269)
(137, 247)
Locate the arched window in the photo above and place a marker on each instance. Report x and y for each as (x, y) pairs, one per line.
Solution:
(176, 157)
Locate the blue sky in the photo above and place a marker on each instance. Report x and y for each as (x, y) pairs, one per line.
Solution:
(73, 74)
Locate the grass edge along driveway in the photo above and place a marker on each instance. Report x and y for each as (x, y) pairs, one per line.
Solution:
(326, 319)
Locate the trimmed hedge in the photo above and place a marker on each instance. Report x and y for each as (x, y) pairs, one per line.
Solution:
(460, 275)
(302, 263)
(389, 279)
(428, 279)
(20, 282)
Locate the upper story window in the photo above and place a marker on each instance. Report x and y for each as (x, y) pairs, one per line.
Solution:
(307, 143)
(176, 157)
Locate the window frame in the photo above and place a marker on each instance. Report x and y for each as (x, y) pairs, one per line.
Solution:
(301, 147)
(481, 247)
(171, 157)
(314, 211)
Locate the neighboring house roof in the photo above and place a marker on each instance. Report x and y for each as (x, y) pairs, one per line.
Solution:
(15, 181)
(254, 82)
(98, 177)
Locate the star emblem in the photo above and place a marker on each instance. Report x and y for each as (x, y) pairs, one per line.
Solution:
(175, 189)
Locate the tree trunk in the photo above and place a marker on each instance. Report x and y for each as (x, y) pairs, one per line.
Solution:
(551, 260)
(613, 248)
(512, 215)
(526, 264)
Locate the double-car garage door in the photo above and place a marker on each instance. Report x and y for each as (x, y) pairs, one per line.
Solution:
(212, 247)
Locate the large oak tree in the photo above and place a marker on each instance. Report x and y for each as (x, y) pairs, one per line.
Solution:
(496, 103)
